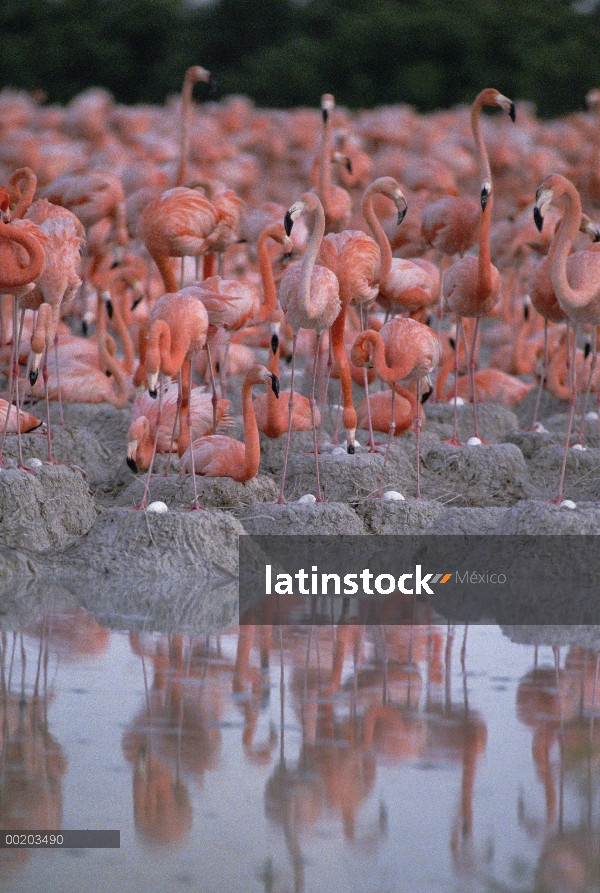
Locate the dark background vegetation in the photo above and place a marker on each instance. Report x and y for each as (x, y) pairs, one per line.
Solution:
(429, 53)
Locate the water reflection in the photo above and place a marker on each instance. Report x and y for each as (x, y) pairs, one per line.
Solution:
(337, 757)
(561, 705)
(33, 761)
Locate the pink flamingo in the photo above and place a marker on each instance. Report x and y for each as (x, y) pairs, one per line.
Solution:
(357, 261)
(404, 349)
(576, 279)
(309, 295)
(178, 330)
(472, 285)
(220, 456)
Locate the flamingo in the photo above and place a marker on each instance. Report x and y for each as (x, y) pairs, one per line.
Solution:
(309, 295)
(59, 280)
(357, 260)
(405, 285)
(22, 259)
(472, 285)
(16, 420)
(176, 225)
(143, 429)
(581, 299)
(219, 456)
(178, 330)
(404, 349)
(546, 303)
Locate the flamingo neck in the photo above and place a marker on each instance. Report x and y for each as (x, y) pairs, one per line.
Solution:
(387, 374)
(16, 276)
(483, 163)
(186, 102)
(111, 363)
(251, 438)
(567, 230)
(23, 197)
(382, 240)
(325, 166)
(161, 354)
(484, 269)
(165, 268)
(268, 280)
(310, 255)
(484, 258)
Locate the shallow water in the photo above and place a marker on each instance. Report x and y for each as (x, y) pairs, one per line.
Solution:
(443, 761)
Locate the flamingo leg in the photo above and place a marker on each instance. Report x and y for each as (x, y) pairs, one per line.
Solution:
(472, 376)
(45, 377)
(14, 372)
(175, 420)
(214, 399)
(418, 426)
(542, 384)
(312, 413)
(60, 404)
(454, 440)
(572, 401)
(390, 437)
(589, 385)
(281, 499)
(144, 503)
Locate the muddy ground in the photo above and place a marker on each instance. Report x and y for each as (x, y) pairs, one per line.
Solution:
(73, 527)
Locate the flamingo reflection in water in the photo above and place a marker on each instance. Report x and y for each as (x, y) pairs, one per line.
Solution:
(176, 735)
(33, 761)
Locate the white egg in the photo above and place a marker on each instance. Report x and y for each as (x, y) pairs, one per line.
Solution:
(393, 496)
(473, 441)
(158, 507)
(308, 497)
(568, 504)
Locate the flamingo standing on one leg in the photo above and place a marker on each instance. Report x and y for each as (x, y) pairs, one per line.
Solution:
(404, 349)
(178, 329)
(472, 285)
(309, 295)
(575, 278)
(220, 456)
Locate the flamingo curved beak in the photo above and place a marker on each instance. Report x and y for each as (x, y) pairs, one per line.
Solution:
(153, 384)
(275, 385)
(131, 450)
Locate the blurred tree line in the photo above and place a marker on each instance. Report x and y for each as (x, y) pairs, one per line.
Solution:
(284, 53)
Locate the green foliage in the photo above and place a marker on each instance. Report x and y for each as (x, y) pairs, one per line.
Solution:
(285, 52)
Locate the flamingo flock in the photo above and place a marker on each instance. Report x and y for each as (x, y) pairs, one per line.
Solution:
(145, 255)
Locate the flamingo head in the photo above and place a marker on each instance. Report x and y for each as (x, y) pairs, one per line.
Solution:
(275, 327)
(292, 215)
(401, 205)
(153, 384)
(327, 106)
(486, 191)
(590, 228)
(34, 369)
(507, 104)
(339, 158)
(543, 197)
